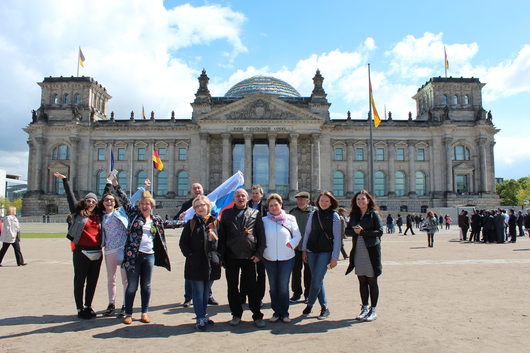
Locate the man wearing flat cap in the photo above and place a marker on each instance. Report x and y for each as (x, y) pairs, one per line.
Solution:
(301, 212)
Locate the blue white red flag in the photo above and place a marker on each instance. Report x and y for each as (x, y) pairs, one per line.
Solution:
(223, 196)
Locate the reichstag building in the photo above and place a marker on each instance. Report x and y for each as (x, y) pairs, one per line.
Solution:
(440, 157)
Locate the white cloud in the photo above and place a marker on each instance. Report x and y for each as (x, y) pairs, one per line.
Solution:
(511, 156)
(423, 57)
(14, 162)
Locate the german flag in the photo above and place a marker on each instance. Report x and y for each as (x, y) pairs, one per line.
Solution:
(157, 162)
(81, 58)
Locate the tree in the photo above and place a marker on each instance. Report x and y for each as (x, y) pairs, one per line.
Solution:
(507, 191)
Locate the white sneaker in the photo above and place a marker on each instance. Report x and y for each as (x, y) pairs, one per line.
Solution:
(372, 316)
(364, 312)
(274, 318)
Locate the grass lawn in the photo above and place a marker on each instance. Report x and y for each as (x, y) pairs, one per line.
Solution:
(43, 235)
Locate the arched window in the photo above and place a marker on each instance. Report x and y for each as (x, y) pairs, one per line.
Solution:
(101, 181)
(338, 183)
(59, 186)
(444, 99)
(122, 179)
(161, 183)
(182, 183)
(455, 99)
(460, 153)
(380, 182)
(77, 98)
(61, 153)
(140, 177)
(466, 99)
(400, 183)
(420, 184)
(358, 181)
(67, 99)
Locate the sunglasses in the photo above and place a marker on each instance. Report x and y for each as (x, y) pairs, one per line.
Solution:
(200, 205)
(90, 201)
(112, 200)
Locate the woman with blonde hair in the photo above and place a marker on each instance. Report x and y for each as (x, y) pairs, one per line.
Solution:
(11, 236)
(145, 247)
(430, 225)
(198, 244)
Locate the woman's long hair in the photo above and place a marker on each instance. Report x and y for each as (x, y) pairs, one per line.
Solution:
(355, 210)
(101, 204)
(81, 208)
(334, 202)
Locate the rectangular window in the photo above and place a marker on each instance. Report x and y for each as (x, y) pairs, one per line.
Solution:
(339, 154)
(101, 154)
(379, 154)
(121, 154)
(420, 154)
(359, 154)
(400, 154)
(162, 152)
(140, 154)
(183, 154)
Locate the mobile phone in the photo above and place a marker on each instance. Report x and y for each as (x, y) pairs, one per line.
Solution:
(114, 172)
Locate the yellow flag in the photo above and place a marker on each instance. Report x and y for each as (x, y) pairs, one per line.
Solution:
(377, 119)
(81, 58)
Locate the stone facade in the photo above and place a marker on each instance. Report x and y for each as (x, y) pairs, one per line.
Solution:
(443, 157)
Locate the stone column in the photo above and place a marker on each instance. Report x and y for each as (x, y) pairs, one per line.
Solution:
(350, 152)
(32, 179)
(412, 168)
(391, 145)
(74, 142)
(205, 153)
(132, 169)
(448, 142)
(483, 165)
(39, 177)
(316, 186)
(170, 168)
(248, 161)
(226, 162)
(272, 163)
(293, 164)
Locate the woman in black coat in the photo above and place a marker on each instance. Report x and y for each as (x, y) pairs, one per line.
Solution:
(198, 244)
(365, 228)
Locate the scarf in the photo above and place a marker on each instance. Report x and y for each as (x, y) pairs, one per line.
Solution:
(280, 219)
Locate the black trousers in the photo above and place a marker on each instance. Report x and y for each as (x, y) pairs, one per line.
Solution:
(464, 233)
(247, 269)
(296, 279)
(409, 226)
(261, 278)
(16, 248)
(85, 271)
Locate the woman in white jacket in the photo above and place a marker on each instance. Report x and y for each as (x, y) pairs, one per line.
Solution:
(282, 236)
(11, 236)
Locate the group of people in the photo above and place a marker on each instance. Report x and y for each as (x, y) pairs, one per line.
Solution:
(496, 225)
(255, 233)
(258, 233)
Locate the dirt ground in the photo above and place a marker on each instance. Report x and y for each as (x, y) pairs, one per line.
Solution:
(455, 297)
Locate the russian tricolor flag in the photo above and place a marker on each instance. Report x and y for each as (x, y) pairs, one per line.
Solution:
(223, 196)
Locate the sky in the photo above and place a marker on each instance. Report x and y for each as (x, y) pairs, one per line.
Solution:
(150, 53)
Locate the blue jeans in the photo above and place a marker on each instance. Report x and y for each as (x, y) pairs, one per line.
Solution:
(279, 273)
(200, 293)
(188, 289)
(318, 263)
(142, 273)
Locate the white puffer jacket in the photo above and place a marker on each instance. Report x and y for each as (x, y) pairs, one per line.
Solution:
(10, 229)
(278, 236)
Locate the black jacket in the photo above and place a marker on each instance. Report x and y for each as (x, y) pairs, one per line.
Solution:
(184, 207)
(241, 242)
(262, 207)
(202, 258)
(372, 232)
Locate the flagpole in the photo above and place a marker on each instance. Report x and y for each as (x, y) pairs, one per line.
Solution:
(78, 63)
(371, 183)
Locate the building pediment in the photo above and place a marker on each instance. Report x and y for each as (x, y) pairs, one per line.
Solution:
(463, 167)
(259, 107)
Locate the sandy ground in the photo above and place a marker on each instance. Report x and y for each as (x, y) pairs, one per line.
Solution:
(455, 297)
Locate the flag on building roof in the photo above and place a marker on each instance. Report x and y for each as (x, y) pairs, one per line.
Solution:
(445, 58)
(222, 197)
(377, 119)
(81, 58)
(157, 162)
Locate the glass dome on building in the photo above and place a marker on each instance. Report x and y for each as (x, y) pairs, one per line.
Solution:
(262, 84)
